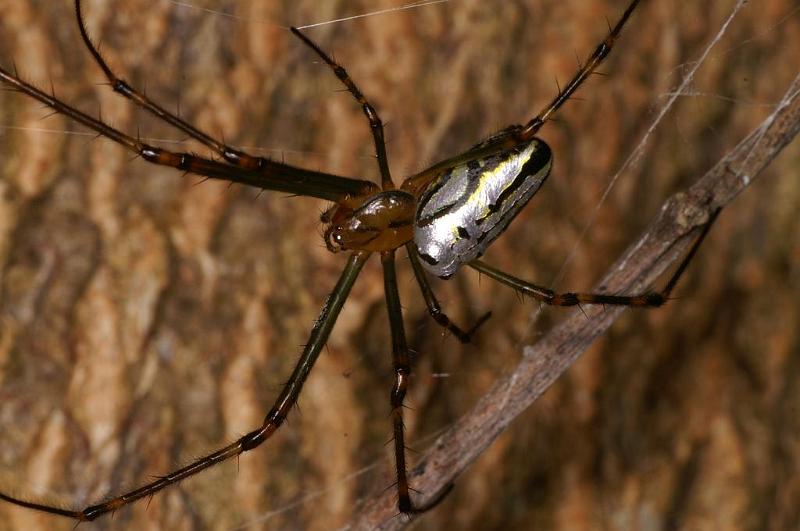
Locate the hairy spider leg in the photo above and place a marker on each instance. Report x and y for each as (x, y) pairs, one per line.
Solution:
(401, 364)
(270, 176)
(517, 135)
(375, 123)
(651, 299)
(434, 308)
(233, 156)
(583, 73)
(280, 409)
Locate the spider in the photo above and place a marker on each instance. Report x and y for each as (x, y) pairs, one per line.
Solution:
(336, 237)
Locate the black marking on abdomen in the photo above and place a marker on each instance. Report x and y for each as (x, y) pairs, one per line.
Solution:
(493, 208)
(428, 258)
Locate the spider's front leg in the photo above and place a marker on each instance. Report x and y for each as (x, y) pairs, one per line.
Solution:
(237, 158)
(375, 123)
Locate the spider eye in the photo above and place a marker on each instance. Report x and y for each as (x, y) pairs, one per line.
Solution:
(334, 240)
(337, 238)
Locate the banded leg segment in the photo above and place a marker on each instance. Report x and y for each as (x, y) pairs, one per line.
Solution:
(288, 397)
(516, 135)
(402, 371)
(647, 299)
(583, 73)
(270, 176)
(375, 123)
(434, 308)
(122, 87)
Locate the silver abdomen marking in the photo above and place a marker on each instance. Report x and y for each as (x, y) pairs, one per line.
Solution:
(466, 207)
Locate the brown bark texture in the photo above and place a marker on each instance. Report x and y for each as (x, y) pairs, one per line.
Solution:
(148, 317)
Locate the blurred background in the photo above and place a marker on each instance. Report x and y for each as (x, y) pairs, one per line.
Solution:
(147, 318)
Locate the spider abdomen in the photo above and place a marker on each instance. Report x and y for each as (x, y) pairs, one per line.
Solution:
(468, 205)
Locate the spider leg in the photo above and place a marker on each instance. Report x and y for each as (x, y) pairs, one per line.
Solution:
(291, 390)
(548, 296)
(375, 123)
(434, 308)
(597, 57)
(269, 175)
(122, 87)
(402, 371)
(517, 135)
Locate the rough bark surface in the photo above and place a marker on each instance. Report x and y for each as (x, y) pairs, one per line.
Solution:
(146, 318)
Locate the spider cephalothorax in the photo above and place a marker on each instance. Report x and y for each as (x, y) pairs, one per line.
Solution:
(381, 222)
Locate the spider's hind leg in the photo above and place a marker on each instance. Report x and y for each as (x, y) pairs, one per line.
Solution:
(434, 308)
(651, 299)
